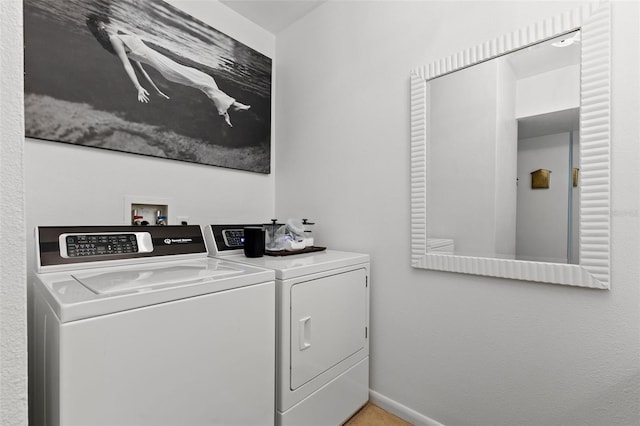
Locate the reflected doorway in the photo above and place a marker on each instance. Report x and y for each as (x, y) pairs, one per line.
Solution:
(547, 220)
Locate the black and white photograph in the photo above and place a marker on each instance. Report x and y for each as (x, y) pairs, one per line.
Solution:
(146, 78)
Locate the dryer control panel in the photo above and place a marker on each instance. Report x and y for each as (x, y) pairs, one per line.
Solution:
(233, 238)
(226, 238)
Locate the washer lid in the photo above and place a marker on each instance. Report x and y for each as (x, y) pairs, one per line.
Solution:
(152, 277)
(93, 292)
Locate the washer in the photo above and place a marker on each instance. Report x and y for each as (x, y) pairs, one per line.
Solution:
(322, 329)
(138, 326)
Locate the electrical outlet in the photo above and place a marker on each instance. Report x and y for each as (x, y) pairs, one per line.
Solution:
(182, 220)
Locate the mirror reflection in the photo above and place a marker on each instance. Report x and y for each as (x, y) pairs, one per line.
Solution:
(502, 160)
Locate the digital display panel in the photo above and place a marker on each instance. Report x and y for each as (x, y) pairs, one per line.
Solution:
(100, 244)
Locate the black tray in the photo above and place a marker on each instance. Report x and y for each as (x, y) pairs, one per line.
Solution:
(290, 253)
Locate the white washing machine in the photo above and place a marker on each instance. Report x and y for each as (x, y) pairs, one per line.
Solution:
(322, 329)
(138, 326)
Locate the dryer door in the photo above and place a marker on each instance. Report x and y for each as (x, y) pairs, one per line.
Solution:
(328, 320)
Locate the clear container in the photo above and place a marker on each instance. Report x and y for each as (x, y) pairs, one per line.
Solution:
(271, 236)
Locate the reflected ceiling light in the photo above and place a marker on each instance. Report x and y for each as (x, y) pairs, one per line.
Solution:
(568, 41)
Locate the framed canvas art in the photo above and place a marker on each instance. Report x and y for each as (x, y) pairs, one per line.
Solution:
(143, 77)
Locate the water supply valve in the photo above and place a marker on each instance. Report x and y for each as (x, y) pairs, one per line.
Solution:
(161, 220)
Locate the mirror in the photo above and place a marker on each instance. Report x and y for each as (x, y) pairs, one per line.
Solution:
(510, 155)
(493, 128)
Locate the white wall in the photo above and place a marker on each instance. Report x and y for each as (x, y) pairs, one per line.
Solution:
(506, 170)
(460, 349)
(555, 90)
(462, 158)
(460, 176)
(13, 306)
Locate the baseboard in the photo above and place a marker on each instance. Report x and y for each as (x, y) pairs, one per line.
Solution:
(401, 411)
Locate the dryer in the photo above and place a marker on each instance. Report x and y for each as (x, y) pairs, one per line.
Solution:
(138, 326)
(322, 329)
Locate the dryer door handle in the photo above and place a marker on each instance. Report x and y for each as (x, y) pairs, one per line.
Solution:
(304, 329)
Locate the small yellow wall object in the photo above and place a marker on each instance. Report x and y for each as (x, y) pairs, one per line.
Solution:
(576, 171)
(540, 179)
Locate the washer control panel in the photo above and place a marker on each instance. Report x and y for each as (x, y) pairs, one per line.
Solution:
(104, 244)
(64, 248)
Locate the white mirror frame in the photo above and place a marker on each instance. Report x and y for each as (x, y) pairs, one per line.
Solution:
(594, 21)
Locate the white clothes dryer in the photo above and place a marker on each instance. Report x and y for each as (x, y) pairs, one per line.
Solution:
(138, 326)
(322, 329)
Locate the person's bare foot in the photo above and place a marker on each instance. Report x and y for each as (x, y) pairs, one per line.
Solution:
(237, 106)
(227, 119)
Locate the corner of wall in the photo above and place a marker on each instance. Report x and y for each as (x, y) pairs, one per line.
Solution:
(13, 318)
